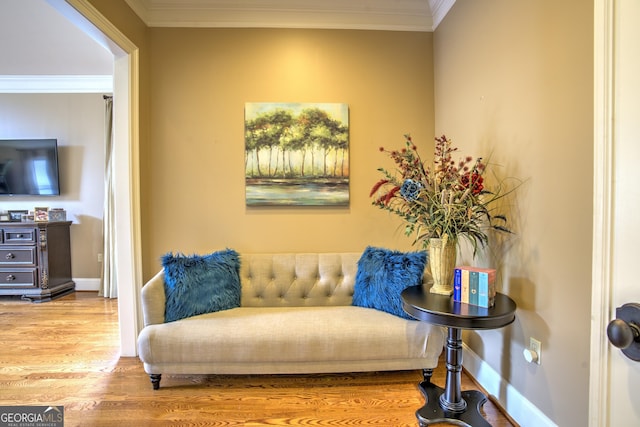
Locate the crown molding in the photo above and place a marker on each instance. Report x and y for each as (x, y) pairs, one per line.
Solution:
(56, 84)
(390, 15)
(439, 9)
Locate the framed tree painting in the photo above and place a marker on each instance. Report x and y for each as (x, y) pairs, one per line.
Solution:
(297, 154)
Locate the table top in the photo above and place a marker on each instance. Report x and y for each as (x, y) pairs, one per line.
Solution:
(419, 303)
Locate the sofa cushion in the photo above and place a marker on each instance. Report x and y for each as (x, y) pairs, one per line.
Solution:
(383, 274)
(263, 337)
(298, 279)
(199, 284)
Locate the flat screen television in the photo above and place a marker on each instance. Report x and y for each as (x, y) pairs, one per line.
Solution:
(29, 167)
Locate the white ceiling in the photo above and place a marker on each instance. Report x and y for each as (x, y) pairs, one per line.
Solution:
(37, 40)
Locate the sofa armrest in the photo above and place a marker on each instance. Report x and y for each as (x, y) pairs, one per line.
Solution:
(153, 300)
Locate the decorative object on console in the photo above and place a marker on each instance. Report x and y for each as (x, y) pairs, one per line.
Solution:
(16, 216)
(199, 284)
(383, 274)
(447, 199)
(41, 214)
(57, 214)
(297, 154)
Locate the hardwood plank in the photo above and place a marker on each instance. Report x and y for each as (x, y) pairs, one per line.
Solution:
(65, 352)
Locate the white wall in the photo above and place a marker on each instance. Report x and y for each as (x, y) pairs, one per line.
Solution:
(77, 122)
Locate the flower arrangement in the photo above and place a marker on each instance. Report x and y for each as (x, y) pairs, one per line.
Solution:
(446, 200)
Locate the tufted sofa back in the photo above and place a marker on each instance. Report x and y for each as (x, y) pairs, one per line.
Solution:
(296, 280)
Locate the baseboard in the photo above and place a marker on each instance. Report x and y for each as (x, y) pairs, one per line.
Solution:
(87, 284)
(525, 413)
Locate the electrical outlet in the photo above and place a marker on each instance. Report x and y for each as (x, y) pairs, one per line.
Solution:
(99, 257)
(536, 347)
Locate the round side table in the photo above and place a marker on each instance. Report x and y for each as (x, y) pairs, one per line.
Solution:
(450, 403)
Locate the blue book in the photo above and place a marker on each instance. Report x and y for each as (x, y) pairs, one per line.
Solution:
(487, 287)
(457, 285)
(473, 287)
(483, 290)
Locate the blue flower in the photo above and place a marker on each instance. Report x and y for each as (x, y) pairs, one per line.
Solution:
(410, 189)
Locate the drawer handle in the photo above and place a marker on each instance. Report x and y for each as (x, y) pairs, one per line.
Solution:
(11, 278)
(9, 256)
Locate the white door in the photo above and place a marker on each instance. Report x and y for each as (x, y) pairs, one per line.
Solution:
(615, 379)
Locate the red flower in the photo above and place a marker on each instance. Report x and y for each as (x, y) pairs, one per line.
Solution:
(474, 181)
(390, 194)
(377, 186)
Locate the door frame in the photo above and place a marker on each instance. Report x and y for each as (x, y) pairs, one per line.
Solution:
(601, 286)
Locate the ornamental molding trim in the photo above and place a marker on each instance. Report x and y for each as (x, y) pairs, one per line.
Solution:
(56, 84)
(439, 9)
(389, 15)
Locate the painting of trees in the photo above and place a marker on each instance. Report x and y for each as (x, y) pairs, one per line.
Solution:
(296, 154)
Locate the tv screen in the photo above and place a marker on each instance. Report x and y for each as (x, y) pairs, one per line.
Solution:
(29, 167)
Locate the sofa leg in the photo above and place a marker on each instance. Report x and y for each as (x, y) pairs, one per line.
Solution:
(426, 375)
(155, 380)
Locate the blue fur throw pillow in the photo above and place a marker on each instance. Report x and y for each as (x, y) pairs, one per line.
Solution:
(383, 274)
(200, 284)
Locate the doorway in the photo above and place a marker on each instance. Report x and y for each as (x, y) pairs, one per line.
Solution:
(126, 172)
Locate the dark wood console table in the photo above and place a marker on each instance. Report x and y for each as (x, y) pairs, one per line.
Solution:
(35, 260)
(451, 404)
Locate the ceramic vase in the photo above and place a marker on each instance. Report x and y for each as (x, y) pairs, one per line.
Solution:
(442, 263)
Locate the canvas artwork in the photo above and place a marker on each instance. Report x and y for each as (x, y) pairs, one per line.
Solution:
(297, 154)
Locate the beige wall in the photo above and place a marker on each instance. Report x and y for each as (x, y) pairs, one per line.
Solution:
(515, 79)
(77, 121)
(200, 81)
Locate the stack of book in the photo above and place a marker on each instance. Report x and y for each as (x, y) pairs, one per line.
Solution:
(475, 286)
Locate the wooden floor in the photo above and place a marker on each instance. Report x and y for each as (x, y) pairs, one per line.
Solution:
(65, 352)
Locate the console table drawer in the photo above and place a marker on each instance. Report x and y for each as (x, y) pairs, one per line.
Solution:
(18, 278)
(22, 256)
(20, 236)
(35, 260)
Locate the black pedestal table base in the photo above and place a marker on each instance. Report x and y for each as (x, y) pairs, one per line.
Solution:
(432, 412)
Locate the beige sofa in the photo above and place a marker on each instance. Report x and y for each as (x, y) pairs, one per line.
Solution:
(295, 317)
